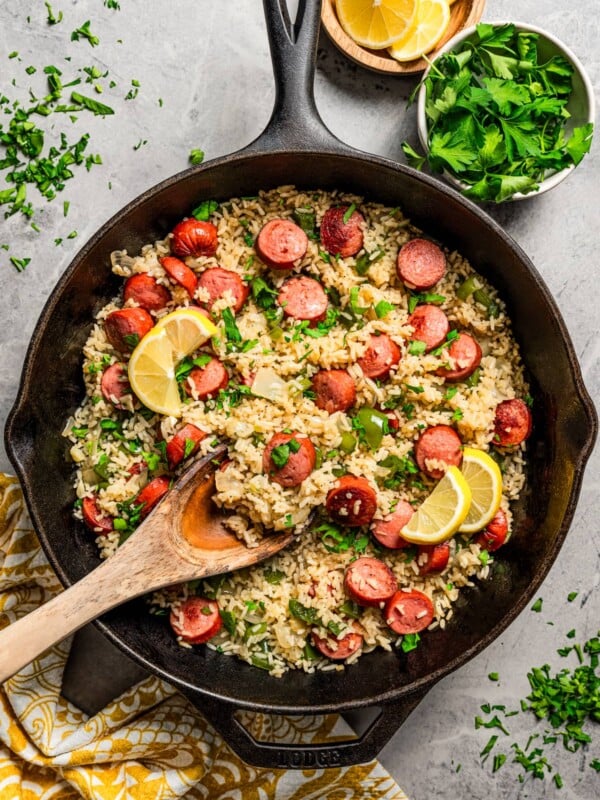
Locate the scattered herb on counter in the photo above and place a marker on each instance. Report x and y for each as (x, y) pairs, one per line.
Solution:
(53, 19)
(496, 115)
(567, 701)
(537, 606)
(196, 156)
(84, 32)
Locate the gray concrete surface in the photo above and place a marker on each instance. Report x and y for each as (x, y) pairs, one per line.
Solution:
(209, 62)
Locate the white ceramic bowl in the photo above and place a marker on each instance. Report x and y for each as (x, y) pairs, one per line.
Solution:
(581, 104)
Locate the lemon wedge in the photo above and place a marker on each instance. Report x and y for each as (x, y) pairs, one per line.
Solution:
(485, 482)
(376, 23)
(442, 513)
(427, 28)
(153, 362)
(187, 329)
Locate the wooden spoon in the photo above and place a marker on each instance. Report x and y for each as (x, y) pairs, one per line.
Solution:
(182, 539)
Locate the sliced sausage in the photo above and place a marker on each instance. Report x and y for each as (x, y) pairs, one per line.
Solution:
(342, 238)
(408, 612)
(114, 384)
(98, 522)
(421, 264)
(176, 448)
(180, 273)
(338, 649)
(216, 281)
(124, 328)
(440, 443)
(301, 459)
(495, 534)
(334, 390)
(352, 501)
(387, 530)
(465, 353)
(430, 325)
(512, 423)
(193, 237)
(303, 298)
(205, 382)
(369, 581)
(380, 356)
(281, 243)
(145, 290)
(152, 493)
(433, 558)
(196, 620)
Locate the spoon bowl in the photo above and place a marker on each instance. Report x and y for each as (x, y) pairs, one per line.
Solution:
(184, 538)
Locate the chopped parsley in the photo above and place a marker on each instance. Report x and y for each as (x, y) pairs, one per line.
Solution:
(196, 157)
(496, 114)
(537, 606)
(305, 219)
(84, 32)
(203, 211)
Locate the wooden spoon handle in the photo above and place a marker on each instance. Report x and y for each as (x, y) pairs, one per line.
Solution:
(122, 577)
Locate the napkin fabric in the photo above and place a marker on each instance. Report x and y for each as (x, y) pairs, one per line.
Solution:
(148, 744)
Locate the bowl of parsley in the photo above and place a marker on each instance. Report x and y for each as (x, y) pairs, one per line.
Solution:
(505, 112)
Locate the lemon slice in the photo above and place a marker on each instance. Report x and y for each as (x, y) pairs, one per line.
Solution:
(376, 23)
(485, 482)
(442, 513)
(428, 27)
(152, 363)
(187, 329)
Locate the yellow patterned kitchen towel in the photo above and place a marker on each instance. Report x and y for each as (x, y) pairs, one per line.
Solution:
(148, 744)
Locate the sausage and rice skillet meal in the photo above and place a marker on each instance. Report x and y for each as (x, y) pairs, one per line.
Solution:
(354, 361)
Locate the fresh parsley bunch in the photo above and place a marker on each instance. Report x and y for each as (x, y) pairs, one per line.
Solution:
(496, 116)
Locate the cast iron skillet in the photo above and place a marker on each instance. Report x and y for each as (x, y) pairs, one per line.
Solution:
(296, 148)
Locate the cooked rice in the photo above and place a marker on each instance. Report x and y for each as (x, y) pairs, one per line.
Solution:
(313, 575)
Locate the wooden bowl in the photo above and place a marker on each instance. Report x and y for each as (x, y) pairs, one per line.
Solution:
(463, 13)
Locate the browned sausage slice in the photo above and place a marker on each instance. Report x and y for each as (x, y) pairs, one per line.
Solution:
(217, 281)
(512, 423)
(281, 243)
(334, 390)
(421, 264)
(152, 493)
(114, 384)
(440, 443)
(293, 460)
(387, 530)
(205, 382)
(433, 558)
(342, 238)
(409, 612)
(369, 581)
(465, 353)
(187, 439)
(430, 325)
(125, 327)
(193, 237)
(180, 273)
(338, 649)
(144, 290)
(352, 501)
(96, 521)
(196, 620)
(303, 298)
(380, 356)
(495, 534)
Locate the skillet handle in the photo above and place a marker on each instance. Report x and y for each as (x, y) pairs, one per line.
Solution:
(275, 755)
(295, 123)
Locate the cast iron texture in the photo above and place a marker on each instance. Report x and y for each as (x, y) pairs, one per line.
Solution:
(297, 149)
